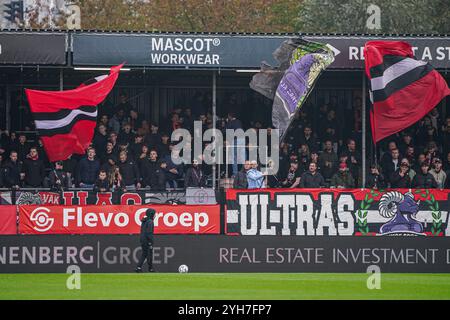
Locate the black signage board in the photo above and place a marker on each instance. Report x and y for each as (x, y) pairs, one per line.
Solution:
(229, 51)
(33, 48)
(119, 253)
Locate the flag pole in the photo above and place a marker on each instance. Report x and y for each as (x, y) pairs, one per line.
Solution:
(363, 126)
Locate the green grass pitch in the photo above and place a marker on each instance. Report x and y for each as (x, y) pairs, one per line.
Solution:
(251, 286)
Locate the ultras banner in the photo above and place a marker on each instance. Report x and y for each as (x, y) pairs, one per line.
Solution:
(169, 219)
(338, 212)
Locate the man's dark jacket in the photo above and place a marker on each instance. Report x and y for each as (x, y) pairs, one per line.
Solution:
(34, 172)
(398, 181)
(308, 180)
(240, 180)
(194, 178)
(152, 174)
(11, 173)
(130, 173)
(87, 171)
(147, 227)
(426, 181)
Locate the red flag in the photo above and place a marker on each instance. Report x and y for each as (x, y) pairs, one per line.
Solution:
(65, 120)
(402, 89)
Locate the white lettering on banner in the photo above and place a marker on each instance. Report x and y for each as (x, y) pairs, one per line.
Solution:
(426, 53)
(46, 255)
(265, 230)
(448, 256)
(183, 59)
(286, 203)
(91, 219)
(186, 219)
(305, 215)
(346, 224)
(325, 218)
(170, 51)
(184, 44)
(251, 201)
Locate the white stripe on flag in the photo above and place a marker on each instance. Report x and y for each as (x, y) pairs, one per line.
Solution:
(54, 124)
(395, 71)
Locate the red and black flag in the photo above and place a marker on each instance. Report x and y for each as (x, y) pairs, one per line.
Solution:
(402, 89)
(65, 120)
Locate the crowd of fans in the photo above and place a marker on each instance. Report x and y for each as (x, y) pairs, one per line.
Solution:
(129, 152)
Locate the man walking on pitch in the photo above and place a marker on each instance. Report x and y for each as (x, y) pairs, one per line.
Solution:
(146, 239)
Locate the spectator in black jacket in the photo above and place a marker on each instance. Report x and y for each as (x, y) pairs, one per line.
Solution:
(391, 165)
(131, 178)
(240, 180)
(22, 147)
(424, 179)
(400, 178)
(312, 178)
(33, 170)
(146, 239)
(293, 176)
(375, 179)
(11, 171)
(102, 183)
(59, 180)
(194, 177)
(100, 139)
(152, 173)
(88, 169)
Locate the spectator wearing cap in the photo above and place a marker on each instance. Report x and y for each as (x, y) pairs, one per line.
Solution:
(312, 178)
(343, 178)
(423, 178)
(439, 175)
(59, 180)
(194, 177)
(401, 178)
(292, 179)
(375, 179)
(254, 176)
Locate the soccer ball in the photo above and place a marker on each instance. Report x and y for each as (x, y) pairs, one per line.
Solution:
(183, 268)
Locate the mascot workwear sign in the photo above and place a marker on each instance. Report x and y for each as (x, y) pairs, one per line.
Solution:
(338, 212)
